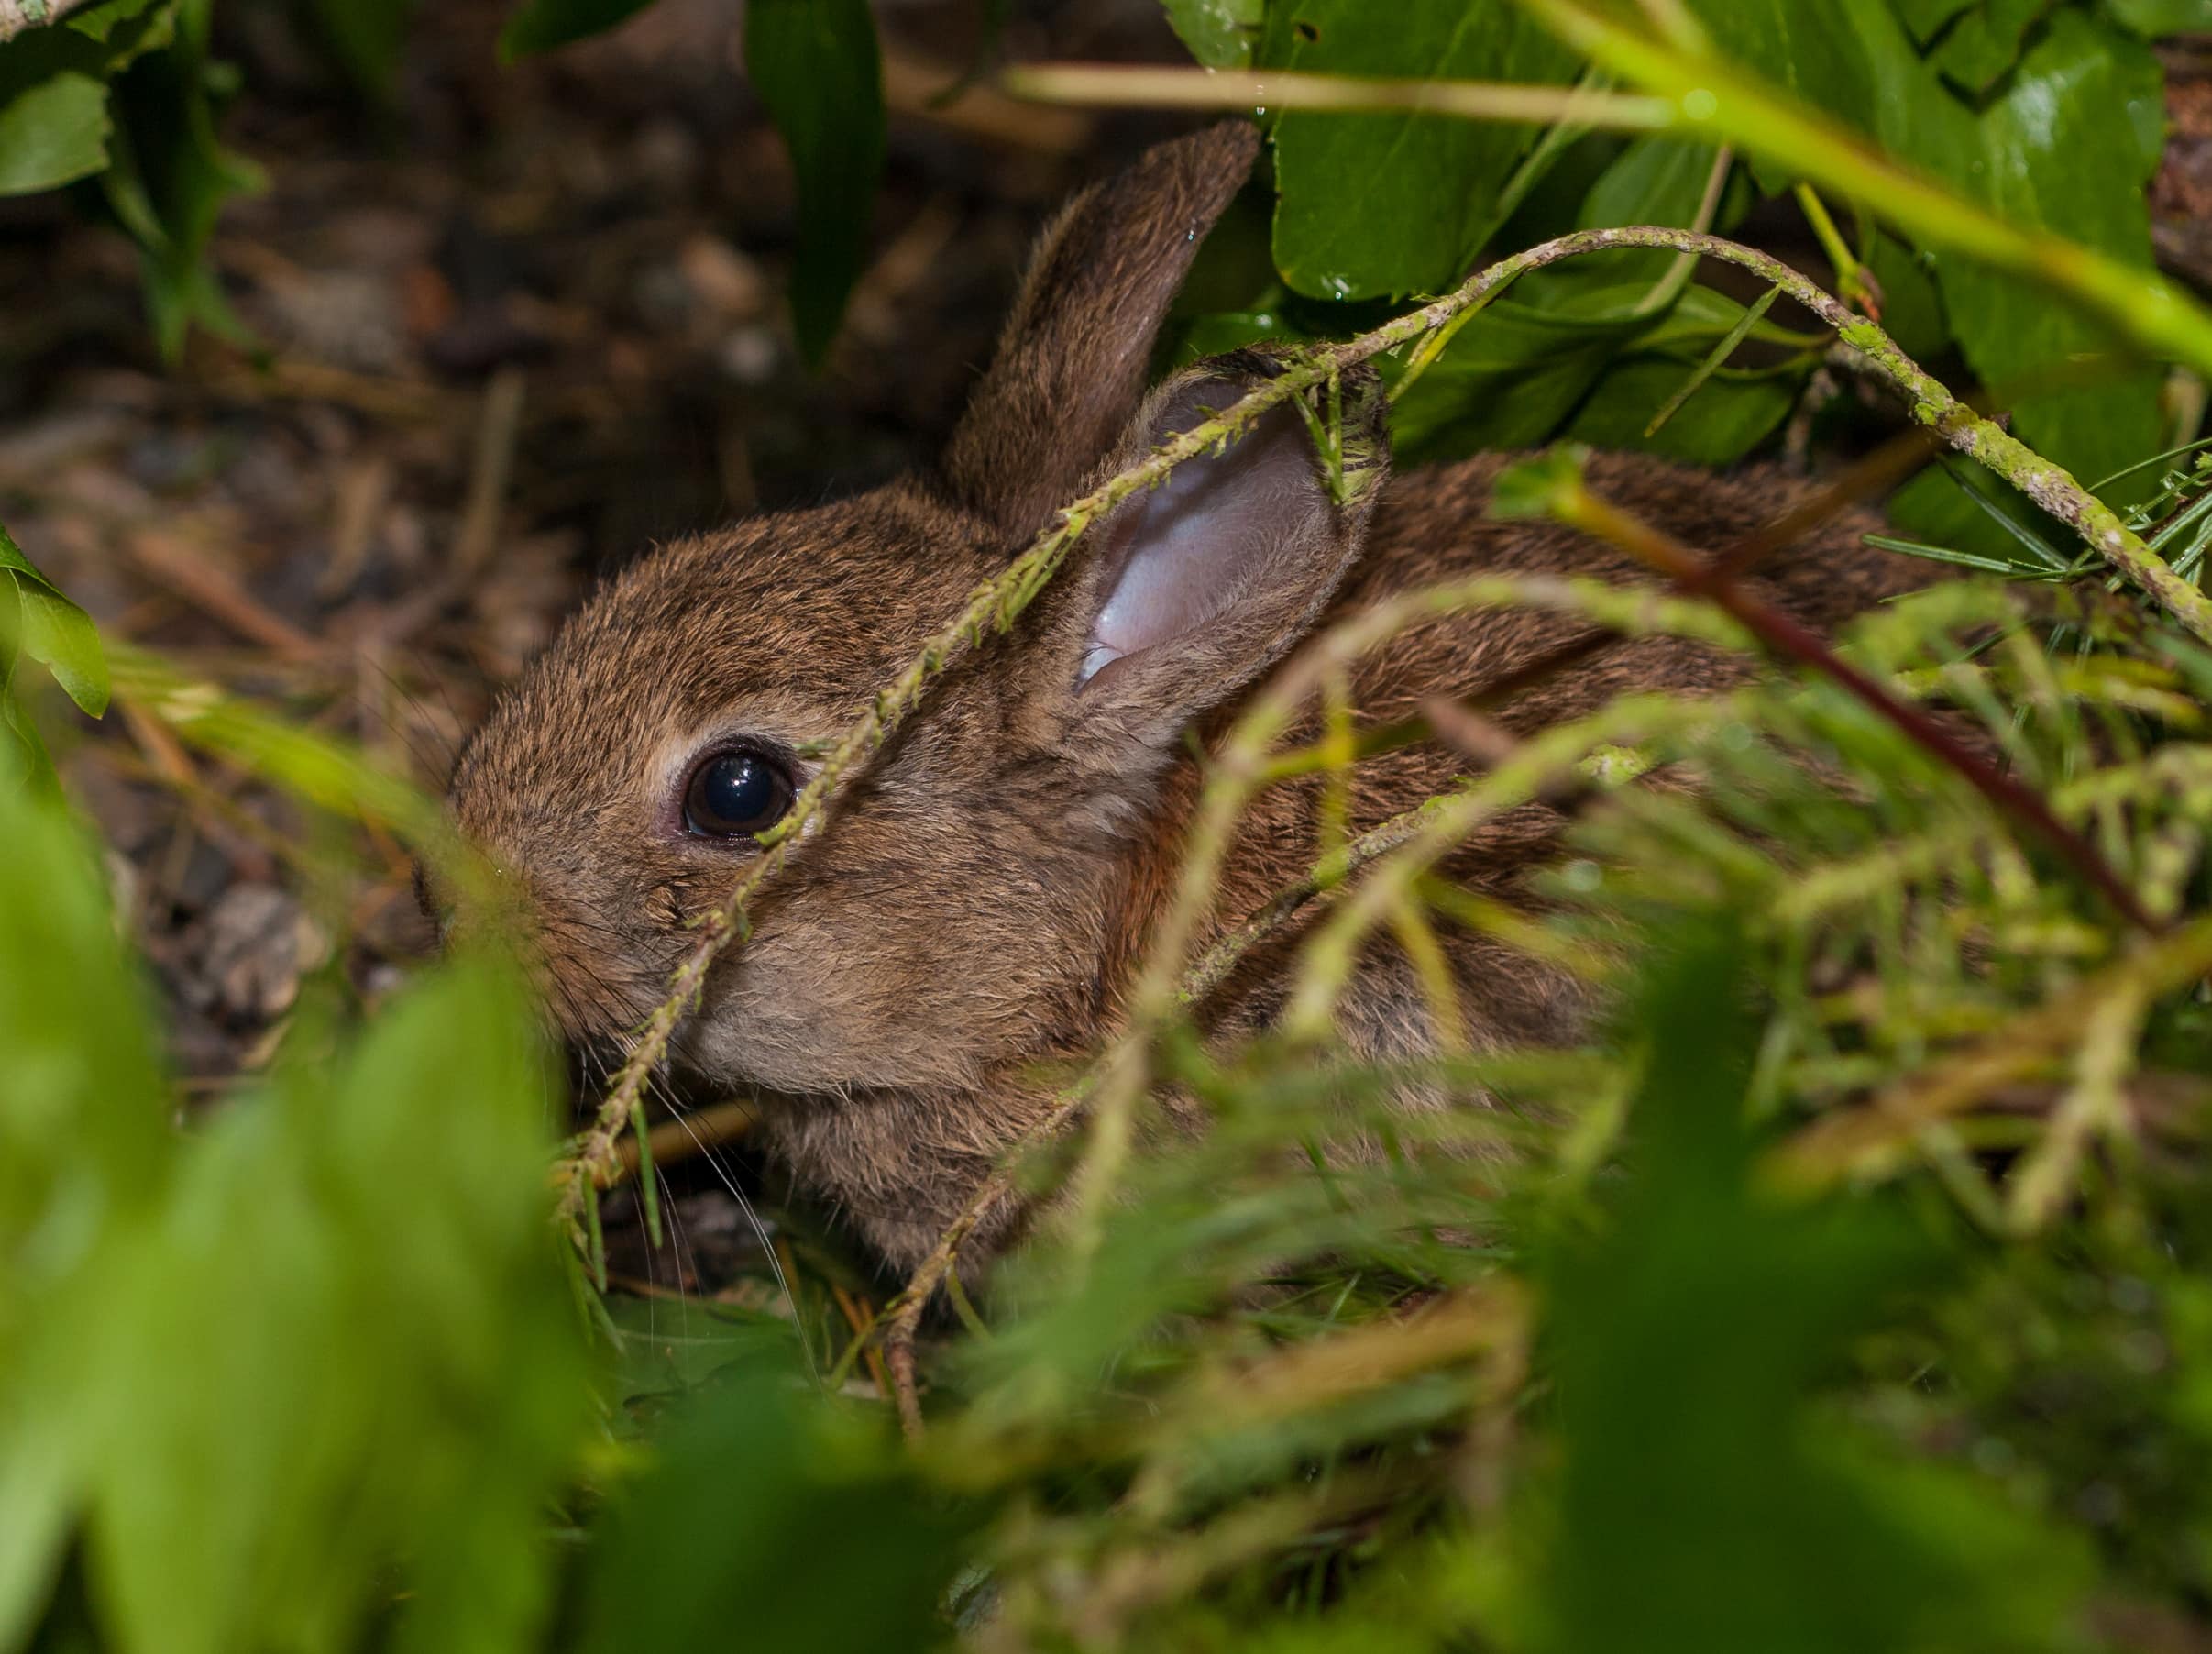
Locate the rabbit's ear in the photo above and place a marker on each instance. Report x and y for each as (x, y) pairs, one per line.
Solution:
(1199, 585)
(1072, 363)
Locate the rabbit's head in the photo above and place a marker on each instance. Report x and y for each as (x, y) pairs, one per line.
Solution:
(960, 908)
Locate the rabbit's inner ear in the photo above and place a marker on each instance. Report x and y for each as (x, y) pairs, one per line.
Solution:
(1218, 534)
(1208, 580)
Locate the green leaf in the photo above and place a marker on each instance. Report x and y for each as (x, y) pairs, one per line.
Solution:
(1703, 1500)
(52, 133)
(1221, 34)
(367, 35)
(1926, 18)
(1378, 206)
(2153, 18)
(1803, 48)
(1986, 41)
(542, 24)
(84, 1145)
(170, 180)
(815, 65)
(2058, 149)
(54, 631)
(1536, 487)
(764, 1501)
(355, 1272)
(54, 119)
(100, 21)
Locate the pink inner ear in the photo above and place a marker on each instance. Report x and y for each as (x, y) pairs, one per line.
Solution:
(1203, 540)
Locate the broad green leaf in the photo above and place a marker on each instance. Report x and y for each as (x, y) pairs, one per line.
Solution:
(1803, 48)
(2059, 149)
(1986, 41)
(53, 132)
(1221, 34)
(1380, 206)
(1520, 370)
(542, 24)
(1508, 379)
(1926, 18)
(2152, 18)
(1728, 416)
(815, 65)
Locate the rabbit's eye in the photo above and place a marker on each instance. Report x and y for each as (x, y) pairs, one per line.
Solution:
(736, 793)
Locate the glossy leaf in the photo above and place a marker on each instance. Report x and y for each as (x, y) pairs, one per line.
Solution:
(1379, 206)
(2059, 148)
(816, 67)
(1221, 34)
(1984, 41)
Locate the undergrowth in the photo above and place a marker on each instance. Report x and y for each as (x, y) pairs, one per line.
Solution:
(1851, 1287)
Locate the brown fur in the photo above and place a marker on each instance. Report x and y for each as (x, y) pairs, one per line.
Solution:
(985, 886)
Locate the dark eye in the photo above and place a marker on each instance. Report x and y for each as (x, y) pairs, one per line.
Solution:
(736, 793)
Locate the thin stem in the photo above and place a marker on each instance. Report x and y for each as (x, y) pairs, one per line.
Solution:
(1112, 86)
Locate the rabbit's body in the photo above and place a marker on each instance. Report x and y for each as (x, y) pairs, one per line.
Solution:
(977, 906)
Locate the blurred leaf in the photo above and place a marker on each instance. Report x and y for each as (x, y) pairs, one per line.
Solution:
(1535, 487)
(367, 36)
(83, 1145)
(774, 1518)
(1377, 205)
(815, 66)
(54, 123)
(355, 1288)
(53, 132)
(542, 24)
(1804, 47)
(1221, 34)
(1703, 1503)
(171, 179)
(2152, 18)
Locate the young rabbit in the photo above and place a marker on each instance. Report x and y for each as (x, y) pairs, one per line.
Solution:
(979, 899)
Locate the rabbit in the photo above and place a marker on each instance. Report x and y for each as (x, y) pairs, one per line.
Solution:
(979, 899)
